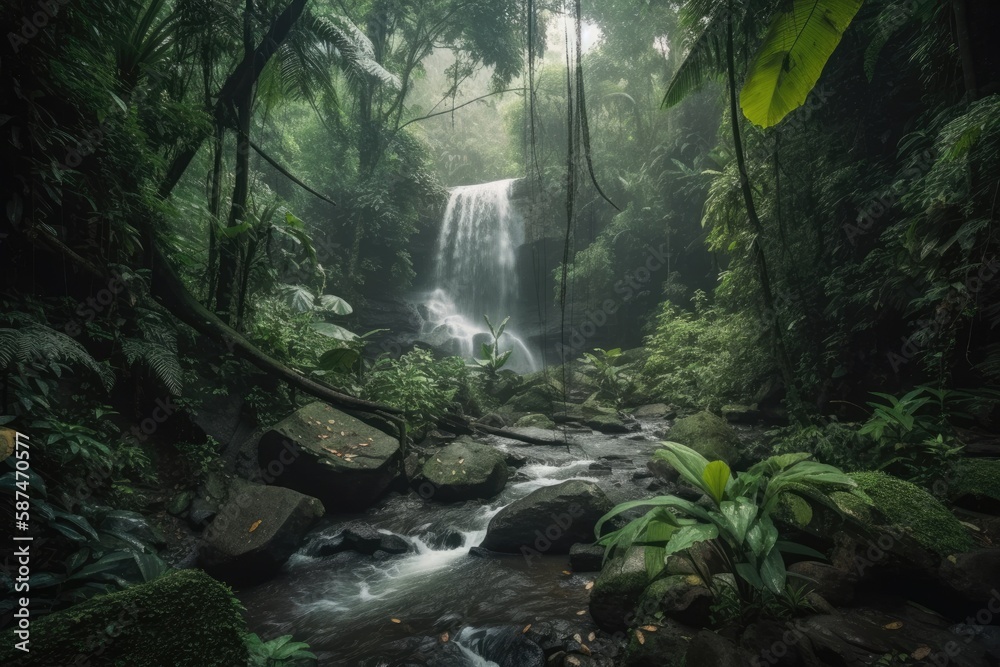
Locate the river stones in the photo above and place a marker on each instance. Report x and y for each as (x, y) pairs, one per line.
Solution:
(357, 536)
(256, 531)
(548, 520)
(465, 470)
(708, 435)
(682, 597)
(330, 455)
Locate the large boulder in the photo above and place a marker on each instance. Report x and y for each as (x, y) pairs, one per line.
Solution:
(330, 455)
(709, 435)
(184, 619)
(256, 531)
(465, 470)
(548, 520)
(614, 599)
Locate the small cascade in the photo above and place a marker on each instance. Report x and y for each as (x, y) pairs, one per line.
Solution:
(475, 271)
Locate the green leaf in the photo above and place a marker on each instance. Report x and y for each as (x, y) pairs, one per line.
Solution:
(334, 304)
(687, 536)
(689, 463)
(333, 331)
(340, 360)
(716, 475)
(801, 38)
(233, 231)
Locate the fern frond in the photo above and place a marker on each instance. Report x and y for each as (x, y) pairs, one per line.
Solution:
(161, 360)
(34, 343)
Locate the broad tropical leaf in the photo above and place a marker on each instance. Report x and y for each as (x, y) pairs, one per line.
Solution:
(802, 37)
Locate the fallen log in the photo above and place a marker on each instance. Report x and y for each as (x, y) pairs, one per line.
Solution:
(463, 426)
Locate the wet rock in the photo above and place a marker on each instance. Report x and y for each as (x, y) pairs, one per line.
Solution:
(684, 598)
(835, 585)
(972, 577)
(708, 435)
(506, 646)
(451, 539)
(178, 505)
(594, 416)
(655, 411)
(360, 537)
(586, 557)
(535, 420)
(615, 596)
(411, 465)
(330, 455)
(548, 520)
(741, 414)
(134, 525)
(538, 398)
(465, 470)
(202, 512)
(256, 531)
(662, 471)
(711, 648)
(665, 647)
(493, 419)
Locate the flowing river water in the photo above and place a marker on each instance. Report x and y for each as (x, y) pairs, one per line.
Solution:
(344, 605)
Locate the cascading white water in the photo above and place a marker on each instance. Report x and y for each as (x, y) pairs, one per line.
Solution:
(475, 269)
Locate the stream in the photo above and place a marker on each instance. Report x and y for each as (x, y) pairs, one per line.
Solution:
(344, 605)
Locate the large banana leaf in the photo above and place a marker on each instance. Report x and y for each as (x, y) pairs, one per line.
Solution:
(802, 37)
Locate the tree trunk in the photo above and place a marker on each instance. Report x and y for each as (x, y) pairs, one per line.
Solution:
(230, 245)
(784, 363)
(242, 78)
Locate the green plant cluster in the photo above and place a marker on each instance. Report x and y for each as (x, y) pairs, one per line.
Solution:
(738, 526)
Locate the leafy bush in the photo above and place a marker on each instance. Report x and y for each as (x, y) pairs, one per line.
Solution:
(738, 527)
(422, 387)
(703, 359)
(615, 381)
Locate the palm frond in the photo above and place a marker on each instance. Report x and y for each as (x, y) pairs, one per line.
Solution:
(34, 343)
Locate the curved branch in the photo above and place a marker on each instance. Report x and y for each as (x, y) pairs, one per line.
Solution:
(441, 113)
(271, 161)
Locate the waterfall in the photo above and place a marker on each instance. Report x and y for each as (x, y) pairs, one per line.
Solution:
(475, 270)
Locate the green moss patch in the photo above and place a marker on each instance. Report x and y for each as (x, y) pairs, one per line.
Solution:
(978, 479)
(911, 509)
(184, 619)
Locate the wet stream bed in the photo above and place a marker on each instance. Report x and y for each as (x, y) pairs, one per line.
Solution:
(355, 609)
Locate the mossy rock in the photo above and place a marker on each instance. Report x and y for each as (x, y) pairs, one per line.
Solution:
(794, 511)
(535, 398)
(465, 470)
(709, 435)
(906, 507)
(682, 597)
(977, 485)
(614, 600)
(184, 619)
(535, 420)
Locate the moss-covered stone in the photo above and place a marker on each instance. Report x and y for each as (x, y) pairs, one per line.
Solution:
(709, 435)
(977, 482)
(614, 600)
(184, 619)
(794, 511)
(909, 508)
(464, 470)
(535, 420)
(682, 597)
